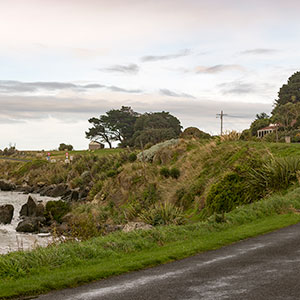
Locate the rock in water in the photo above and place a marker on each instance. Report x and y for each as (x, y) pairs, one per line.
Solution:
(30, 208)
(28, 225)
(6, 214)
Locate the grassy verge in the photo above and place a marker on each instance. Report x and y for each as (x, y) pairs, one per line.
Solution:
(70, 264)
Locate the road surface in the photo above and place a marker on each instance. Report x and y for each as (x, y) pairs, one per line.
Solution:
(265, 267)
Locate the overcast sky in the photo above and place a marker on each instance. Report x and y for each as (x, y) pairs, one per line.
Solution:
(63, 62)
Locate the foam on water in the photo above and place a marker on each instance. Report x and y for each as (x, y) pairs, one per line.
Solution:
(10, 240)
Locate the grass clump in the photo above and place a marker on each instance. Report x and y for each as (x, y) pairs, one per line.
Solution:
(163, 214)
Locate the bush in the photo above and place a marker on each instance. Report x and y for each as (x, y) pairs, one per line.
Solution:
(226, 194)
(163, 214)
(175, 173)
(274, 174)
(193, 132)
(56, 210)
(65, 147)
(164, 171)
(132, 157)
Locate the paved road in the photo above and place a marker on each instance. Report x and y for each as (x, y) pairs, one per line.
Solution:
(265, 267)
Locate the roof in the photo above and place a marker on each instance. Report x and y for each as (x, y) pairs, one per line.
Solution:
(95, 143)
(270, 127)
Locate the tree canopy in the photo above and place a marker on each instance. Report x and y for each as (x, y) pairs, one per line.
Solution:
(262, 120)
(132, 129)
(286, 111)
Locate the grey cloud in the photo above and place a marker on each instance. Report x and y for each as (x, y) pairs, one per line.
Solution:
(239, 87)
(167, 92)
(11, 87)
(118, 89)
(165, 57)
(128, 69)
(194, 112)
(259, 51)
(218, 69)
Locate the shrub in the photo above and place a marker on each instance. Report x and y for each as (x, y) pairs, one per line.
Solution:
(226, 194)
(65, 147)
(193, 132)
(274, 174)
(175, 173)
(132, 157)
(56, 210)
(163, 214)
(164, 171)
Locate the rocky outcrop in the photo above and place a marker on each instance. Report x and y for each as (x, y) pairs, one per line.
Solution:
(6, 185)
(136, 226)
(29, 209)
(6, 214)
(28, 225)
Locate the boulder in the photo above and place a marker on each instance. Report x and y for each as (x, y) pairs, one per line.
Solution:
(54, 190)
(6, 214)
(28, 225)
(136, 226)
(6, 185)
(40, 209)
(29, 209)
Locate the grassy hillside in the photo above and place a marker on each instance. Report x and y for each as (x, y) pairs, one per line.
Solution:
(177, 183)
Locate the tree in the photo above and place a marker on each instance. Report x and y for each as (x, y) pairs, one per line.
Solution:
(289, 92)
(63, 147)
(287, 115)
(155, 127)
(115, 125)
(262, 120)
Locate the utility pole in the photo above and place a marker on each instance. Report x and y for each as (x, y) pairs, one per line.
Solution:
(221, 116)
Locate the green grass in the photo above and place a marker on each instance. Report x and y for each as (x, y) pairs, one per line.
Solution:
(101, 268)
(70, 264)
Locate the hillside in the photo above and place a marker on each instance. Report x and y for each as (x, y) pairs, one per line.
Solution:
(179, 182)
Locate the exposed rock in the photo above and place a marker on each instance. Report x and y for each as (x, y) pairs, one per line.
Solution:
(54, 190)
(40, 209)
(6, 214)
(28, 225)
(29, 209)
(112, 228)
(136, 226)
(6, 185)
(31, 206)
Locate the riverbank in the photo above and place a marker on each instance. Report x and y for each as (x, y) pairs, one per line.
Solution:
(72, 263)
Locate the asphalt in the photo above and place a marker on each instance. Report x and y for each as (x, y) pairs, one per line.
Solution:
(265, 267)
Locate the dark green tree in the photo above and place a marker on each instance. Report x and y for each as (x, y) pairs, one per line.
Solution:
(289, 92)
(63, 147)
(262, 120)
(115, 125)
(155, 127)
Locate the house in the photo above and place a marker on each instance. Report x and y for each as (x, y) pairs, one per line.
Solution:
(94, 145)
(269, 129)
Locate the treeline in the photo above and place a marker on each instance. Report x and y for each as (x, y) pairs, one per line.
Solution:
(286, 114)
(130, 128)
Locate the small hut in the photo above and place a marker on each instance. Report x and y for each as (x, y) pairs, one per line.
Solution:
(94, 145)
(269, 129)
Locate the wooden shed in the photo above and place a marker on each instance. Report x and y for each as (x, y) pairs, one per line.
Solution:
(94, 145)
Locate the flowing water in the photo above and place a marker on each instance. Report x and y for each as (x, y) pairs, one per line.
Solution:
(10, 240)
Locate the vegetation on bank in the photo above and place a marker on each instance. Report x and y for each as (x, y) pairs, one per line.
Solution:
(175, 182)
(72, 263)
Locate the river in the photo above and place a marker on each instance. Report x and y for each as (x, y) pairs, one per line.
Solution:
(10, 240)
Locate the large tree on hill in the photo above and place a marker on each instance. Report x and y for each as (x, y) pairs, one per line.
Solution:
(115, 125)
(155, 127)
(289, 92)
